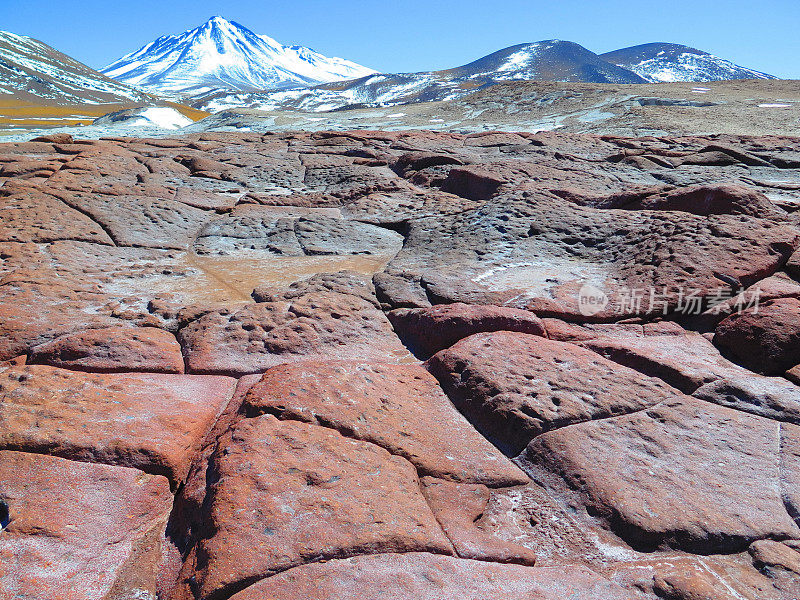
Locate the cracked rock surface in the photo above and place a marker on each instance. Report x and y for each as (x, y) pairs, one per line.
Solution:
(212, 383)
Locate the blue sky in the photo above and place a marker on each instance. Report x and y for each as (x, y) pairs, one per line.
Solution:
(420, 35)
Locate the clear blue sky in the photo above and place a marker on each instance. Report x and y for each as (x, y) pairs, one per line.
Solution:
(417, 35)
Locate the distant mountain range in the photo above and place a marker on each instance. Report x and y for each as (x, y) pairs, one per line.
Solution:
(662, 62)
(552, 60)
(221, 54)
(222, 64)
(33, 71)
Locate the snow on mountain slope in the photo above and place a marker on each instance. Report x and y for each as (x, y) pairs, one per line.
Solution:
(33, 71)
(223, 55)
(662, 62)
(552, 60)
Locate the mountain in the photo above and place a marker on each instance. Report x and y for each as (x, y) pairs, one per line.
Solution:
(551, 60)
(32, 71)
(224, 55)
(661, 62)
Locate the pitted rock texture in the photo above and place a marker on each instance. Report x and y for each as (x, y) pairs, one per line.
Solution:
(315, 326)
(514, 386)
(398, 407)
(211, 387)
(528, 250)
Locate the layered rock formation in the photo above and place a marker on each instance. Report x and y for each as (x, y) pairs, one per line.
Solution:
(386, 365)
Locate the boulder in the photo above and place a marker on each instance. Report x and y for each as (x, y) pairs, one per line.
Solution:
(765, 339)
(113, 349)
(426, 331)
(514, 386)
(153, 422)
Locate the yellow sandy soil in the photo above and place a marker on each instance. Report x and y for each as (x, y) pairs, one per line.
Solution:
(15, 113)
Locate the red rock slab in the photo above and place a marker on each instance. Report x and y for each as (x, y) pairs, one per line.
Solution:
(686, 474)
(146, 222)
(773, 555)
(712, 199)
(765, 339)
(396, 207)
(78, 530)
(37, 217)
(793, 264)
(692, 364)
(777, 286)
(54, 138)
(685, 577)
(790, 467)
(285, 493)
(398, 407)
(113, 349)
(32, 313)
(770, 397)
(430, 577)
(458, 508)
(514, 386)
(26, 169)
(562, 331)
(187, 512)
(205, 200)
(145, 420)
(686, 361)
(316, 326)
(426, 331)
(527, 250)
(67, 287)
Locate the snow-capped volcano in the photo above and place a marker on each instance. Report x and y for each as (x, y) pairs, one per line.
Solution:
(224, 55)
(662, 62)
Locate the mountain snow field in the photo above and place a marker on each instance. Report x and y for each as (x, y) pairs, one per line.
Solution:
(222, 54)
